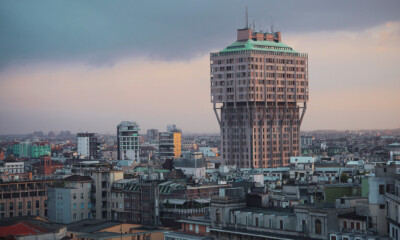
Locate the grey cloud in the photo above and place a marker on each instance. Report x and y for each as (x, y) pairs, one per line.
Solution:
(101, 32)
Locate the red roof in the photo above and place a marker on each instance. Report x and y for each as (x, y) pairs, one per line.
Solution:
(19, 229)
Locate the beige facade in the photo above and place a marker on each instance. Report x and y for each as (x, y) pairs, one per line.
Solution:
(259, 87)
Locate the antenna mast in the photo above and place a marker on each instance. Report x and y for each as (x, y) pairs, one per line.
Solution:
(247, 18)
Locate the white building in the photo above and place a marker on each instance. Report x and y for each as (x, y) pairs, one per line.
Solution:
(302, 168)
(87, 145)
(128, 141)
(12, 167)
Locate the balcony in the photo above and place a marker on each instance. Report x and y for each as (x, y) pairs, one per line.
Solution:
(393, 197)
(188, 211)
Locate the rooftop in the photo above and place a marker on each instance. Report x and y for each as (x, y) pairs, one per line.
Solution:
(259, 45)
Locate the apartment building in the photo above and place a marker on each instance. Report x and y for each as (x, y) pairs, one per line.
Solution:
(88, 146)
(259, 91)
(170, 144)
(128, 141)
(24, 198)
(103, 177)
(70, 200)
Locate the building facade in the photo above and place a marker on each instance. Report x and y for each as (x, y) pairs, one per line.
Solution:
(128, 141)
(170, 144)
(88, 145)
(70, 200)
(259, 89)
(152, 135)
(24, 198)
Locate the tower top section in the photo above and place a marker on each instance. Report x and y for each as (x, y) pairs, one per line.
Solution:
(249, 34)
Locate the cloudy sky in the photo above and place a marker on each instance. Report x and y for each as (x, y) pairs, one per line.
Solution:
(87, 65)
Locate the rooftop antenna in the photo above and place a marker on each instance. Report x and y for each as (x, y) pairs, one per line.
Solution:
(247, 18)
(254, 25)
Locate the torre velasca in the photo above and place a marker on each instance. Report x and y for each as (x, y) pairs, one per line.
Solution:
(259, 90)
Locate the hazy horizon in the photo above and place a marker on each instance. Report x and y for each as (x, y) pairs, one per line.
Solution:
(86, 66)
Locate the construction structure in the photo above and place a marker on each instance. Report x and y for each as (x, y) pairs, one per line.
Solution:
(259, 91)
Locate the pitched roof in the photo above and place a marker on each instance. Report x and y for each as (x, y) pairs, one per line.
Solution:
(21, 228)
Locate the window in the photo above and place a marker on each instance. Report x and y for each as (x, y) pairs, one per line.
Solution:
(74, 205)
(303, 226)
(351, 225)
(281, 224)
(381, 189)
(11, 206)
(318, 227)
(82, 205)
(81, 195)
(74, 195)
(345, 224)
(197, 228)
(37, 204)
(20, 205)
(74, 216)
(191, 227)
(358, 226)
(382, 206)
(218, 215)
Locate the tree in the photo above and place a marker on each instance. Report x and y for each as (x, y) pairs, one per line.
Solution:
(344, 177)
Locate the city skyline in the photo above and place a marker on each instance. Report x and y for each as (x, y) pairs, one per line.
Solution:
(57, 75)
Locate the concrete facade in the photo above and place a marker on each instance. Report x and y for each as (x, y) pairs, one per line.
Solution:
(128, 141)
(70, 201)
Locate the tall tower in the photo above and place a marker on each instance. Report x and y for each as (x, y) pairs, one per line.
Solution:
(259, 91)
(128, 142)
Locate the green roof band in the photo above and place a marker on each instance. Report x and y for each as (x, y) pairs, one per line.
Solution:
(259, 45)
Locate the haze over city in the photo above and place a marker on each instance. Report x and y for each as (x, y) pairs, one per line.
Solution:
(86, 66)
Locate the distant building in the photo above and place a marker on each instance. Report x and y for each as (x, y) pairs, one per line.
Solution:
(306, 141)
(171, 128)
(88, 145)
(194, 167)
(12, 167)
(46, 166)
(209, 151)
(152, 135)
(70, 200)
(170, 145)
(128, 141)
(21, 149)
(31, 149)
